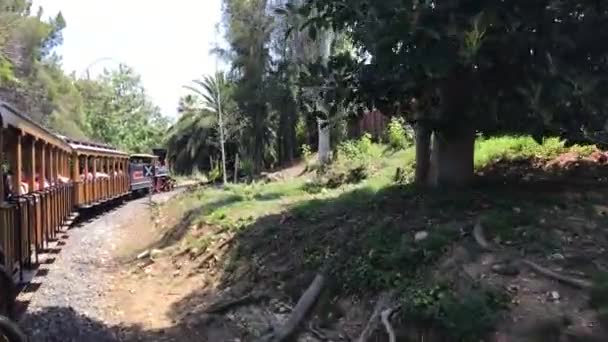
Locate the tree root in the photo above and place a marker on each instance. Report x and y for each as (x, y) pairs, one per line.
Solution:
(480, 237)
(573, 282)
(384, 300)
(385, 317)
(302, 308)
(582, 284)
(223, 306)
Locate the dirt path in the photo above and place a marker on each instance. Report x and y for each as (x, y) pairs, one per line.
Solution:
(69, 299)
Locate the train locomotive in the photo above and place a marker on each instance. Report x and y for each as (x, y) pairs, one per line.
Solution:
(47, 179)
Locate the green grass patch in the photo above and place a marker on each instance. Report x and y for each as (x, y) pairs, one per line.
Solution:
(488, 150)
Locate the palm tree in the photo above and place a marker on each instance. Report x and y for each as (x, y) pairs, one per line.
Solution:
(192, 139)
(215, 93)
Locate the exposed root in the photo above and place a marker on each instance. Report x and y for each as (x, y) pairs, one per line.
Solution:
(574, 282)
(223, 306)
(302, 308)
(385, 316)
(215, 251)
(383, 301)
(571, 281)
(480, 238)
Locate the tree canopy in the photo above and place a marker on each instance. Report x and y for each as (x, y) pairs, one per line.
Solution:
(112, 108)
(458, 66)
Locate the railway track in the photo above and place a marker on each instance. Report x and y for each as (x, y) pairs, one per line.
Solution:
(48, 180)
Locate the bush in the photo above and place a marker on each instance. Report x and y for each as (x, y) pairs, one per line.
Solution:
(215, 174)
(397, 136)
(356, 150)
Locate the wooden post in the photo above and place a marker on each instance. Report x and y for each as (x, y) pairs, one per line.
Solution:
(76, 183)
(95, 192)
(40, 164)
(49, 163)
(16, 164)
(87, 195)
(31, 163)
(55, 170)
(107, 181)
(2, 190)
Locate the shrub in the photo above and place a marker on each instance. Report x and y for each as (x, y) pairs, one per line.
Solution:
(397, 136)
(215, 174)
(306, 152)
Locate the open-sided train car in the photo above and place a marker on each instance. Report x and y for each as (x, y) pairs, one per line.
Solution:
(46, 179)
(99, 173)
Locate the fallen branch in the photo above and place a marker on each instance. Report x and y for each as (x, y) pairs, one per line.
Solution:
(223, 306)
(385, 316)
(216, 250)
(574, 282)
(571, 281)
(303, 307)
(383, 300)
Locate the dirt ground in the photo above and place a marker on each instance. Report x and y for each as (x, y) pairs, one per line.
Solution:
(125, 276)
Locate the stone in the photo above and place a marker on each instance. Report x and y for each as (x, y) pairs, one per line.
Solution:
(421, 235)
(505, 269)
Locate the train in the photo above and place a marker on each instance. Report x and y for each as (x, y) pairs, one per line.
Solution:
(47, 180)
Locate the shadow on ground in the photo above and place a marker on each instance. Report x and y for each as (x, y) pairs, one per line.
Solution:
(364, 239)
(73, 326)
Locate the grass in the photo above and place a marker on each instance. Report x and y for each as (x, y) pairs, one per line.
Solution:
(239, 203)
(364, 231)
(487, 150)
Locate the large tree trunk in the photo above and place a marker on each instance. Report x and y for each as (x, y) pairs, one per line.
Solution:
(423, 153)
(452, 158)
(324, 141)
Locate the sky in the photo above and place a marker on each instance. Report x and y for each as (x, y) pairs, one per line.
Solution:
(166, 42)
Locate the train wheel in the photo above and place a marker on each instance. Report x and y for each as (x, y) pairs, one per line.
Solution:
(8, 293)
(10, 331)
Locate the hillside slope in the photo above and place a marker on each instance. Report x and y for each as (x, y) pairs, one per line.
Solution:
(233, 262)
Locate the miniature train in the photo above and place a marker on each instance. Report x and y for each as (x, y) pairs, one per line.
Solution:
(47, 179)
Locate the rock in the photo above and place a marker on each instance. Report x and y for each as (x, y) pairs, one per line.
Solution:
(554, 295)
(557, 256)
(505, 269)
(143, 254)
(421, 235)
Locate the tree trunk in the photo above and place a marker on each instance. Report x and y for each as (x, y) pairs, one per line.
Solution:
(452, 158)
(324, 143)
(423, 153)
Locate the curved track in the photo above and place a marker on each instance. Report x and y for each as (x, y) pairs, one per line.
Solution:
(66, 300)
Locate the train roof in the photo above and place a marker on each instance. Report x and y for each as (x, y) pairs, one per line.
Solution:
(143, 155)
(93, 148)
(12, 117)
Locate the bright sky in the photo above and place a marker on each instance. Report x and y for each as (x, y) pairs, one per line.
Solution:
(167, 42)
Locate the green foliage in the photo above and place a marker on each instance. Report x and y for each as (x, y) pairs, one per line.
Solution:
(488, 150)
(465, 317)
(301, 132)
(196, 137)
(489, 65)
(396, 135)
(119, 112)
(306, 152)
(215, 174)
